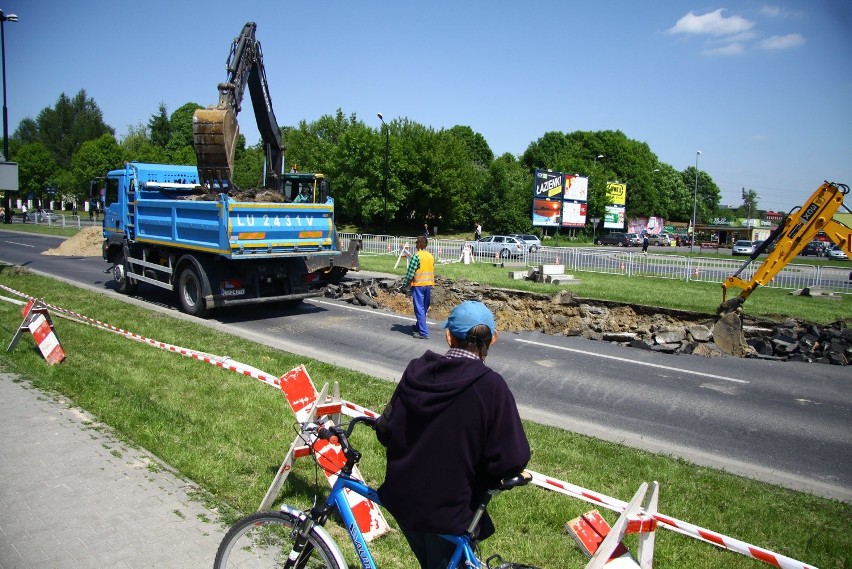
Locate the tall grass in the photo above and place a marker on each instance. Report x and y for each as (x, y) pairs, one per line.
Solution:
(229, 433)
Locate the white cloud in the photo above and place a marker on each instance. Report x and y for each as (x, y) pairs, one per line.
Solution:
(782, 42)
(713, 23)
(778, 12)
(733, 48)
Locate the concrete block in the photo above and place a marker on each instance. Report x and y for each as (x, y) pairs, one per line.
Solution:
(551, 269)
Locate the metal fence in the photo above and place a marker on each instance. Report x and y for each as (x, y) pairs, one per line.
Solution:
(625, 262)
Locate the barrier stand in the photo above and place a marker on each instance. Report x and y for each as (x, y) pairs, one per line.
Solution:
(466, 255)
(37, 321)
(604, 544)
(307, 404)
(402, 253)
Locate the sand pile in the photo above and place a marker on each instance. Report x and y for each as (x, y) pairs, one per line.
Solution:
(87, 243)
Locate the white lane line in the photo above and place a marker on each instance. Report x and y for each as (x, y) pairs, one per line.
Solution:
(658, 366)
(368, 311)
(21, 244)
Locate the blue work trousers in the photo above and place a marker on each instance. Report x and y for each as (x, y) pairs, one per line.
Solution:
(422, 297)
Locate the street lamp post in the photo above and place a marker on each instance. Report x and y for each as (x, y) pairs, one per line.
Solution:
(694, 205)
(3, 19)
(385, 192)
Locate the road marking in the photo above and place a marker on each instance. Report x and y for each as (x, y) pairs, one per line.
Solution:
(368, 310)
(658, 366)
(21, 244)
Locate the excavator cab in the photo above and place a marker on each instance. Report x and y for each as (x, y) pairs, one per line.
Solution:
(305, 187)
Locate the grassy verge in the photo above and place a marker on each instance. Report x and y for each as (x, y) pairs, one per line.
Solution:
(229, 433)
(695, 296)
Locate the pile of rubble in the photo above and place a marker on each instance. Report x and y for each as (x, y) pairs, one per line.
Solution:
(646, 327)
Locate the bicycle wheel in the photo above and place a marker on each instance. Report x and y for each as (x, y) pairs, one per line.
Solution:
(264, 539)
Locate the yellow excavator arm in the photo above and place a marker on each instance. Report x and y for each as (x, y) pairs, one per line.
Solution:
(797, 229)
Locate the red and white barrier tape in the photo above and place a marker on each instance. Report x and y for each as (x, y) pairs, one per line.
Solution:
(540, 480)
(685, 528)
(223, 362)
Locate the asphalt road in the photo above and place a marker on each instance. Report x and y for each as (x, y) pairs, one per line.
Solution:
(784, 423)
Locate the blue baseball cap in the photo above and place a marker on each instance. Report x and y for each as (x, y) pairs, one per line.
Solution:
(467, 315)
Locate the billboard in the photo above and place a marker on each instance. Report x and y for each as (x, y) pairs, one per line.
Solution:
(614, 217)
(9, 176)
(617, 193)
(547, 198)
(573, 214)
(576, 188)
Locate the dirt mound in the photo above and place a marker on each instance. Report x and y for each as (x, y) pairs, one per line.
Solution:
(644, 327)
(86, 243)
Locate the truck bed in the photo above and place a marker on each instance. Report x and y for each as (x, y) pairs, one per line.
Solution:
(235, 229)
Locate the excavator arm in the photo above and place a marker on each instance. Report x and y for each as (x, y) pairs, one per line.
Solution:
(215, 129)
(797, 229)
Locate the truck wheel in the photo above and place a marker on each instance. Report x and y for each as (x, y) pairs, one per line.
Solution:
(190, 293)
(119, 275)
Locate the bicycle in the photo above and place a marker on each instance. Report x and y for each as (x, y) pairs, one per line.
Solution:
(291, 538)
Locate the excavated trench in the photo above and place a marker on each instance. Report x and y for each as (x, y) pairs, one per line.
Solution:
(644, 327)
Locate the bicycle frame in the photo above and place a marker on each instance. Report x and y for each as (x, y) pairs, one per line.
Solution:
(463, 556)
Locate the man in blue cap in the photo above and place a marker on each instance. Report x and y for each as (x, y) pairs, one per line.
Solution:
(452, 431)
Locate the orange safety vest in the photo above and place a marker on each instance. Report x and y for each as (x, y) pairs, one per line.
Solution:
(425, 275)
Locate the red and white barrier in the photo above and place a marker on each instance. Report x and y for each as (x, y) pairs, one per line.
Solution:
(37, 321)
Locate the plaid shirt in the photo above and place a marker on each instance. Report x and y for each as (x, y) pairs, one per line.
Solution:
(459, 353)
(413, 265)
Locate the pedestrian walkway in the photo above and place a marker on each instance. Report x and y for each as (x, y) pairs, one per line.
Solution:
(73, 496)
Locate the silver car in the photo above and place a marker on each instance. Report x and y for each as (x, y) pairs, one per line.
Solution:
(837, 253)
(503, 246)
(532, 241)
(743, 247)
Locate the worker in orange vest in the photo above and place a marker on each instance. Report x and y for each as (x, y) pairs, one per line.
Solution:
(421, 276)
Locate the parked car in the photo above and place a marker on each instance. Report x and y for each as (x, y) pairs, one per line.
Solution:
(47, 215)
(660, 239)
(837, 254)
(814, 248)
(742, 247)
(532, 241)
(614, 238)
(635, 239)
(504, 246)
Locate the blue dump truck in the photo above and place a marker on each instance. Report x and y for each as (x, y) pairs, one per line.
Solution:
(163, 228)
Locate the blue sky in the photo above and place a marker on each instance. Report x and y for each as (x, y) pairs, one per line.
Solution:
(762, 89)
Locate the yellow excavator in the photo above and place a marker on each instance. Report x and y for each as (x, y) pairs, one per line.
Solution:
(797, 229)
(215, 129)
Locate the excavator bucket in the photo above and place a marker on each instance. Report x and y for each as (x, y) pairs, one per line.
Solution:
(215, 132)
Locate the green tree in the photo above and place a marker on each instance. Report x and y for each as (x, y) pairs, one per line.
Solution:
(36, 167)
(160, 127)
(95, 158)
(65, 127)
(181, 135)
(707, 192)
(137, 146)
(507, 202)
(478, 150)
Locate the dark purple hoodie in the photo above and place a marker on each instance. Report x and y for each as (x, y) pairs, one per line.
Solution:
(452, 431)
